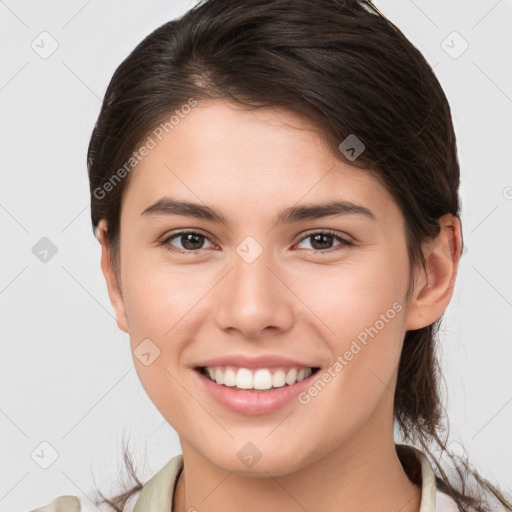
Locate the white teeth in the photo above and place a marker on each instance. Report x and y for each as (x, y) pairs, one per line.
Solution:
(278, 379)
(260, 379)
(219, 376)
(243, 378)
(303, 374)
(291, 377)
(229, 377)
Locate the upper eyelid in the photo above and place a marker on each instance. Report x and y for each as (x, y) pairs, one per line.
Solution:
(332, 232)
(185, 232)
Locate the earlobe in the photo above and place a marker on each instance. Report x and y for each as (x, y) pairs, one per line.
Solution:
(433, 290)
(111, 278)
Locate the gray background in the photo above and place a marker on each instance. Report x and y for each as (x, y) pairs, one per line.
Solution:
(67, 376)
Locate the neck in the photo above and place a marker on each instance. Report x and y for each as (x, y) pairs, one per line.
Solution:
(362, 474)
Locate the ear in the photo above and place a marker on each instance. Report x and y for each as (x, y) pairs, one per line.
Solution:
(433, 290)
(113, 285)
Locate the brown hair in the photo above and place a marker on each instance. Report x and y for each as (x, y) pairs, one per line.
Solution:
(344, 67)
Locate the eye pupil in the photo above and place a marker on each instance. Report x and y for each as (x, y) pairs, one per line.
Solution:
(195, 244)
(318, 237)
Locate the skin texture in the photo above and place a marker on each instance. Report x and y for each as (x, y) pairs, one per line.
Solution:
(298, 299)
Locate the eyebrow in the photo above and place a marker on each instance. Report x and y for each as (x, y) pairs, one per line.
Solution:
(170, 206)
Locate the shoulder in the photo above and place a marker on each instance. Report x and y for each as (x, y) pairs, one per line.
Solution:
(445, 503)
(61, 504)
(158, 490)
(432, 499)
(72, 504)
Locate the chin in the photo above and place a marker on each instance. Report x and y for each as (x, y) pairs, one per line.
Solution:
(250, 462)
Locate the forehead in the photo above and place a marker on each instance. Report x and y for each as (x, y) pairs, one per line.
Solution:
(225, 154)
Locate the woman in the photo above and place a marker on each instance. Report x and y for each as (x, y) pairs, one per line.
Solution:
(274, 185)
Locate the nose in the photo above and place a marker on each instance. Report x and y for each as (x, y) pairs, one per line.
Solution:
(254, 299)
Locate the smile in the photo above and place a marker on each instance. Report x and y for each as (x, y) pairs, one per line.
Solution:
(256, 378)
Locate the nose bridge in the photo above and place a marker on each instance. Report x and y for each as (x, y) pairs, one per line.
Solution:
(251, 278)
(251, 297)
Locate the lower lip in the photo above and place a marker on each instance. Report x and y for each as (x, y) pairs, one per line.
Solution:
(252, 402)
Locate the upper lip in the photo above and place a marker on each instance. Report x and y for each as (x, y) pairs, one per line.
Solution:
(263, 361)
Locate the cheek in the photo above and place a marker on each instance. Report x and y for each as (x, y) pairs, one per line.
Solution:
(351, 297)
(363, 308)
(157, 297)
(159, 306)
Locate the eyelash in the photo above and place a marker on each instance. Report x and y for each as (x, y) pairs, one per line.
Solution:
(343, 241)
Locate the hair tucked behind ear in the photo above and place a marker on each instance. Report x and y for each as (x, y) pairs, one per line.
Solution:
(348, 70)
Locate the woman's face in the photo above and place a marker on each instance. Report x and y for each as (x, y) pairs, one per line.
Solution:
(261, 284)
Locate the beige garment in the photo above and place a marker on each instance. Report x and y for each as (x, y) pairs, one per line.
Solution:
(61, 504)
(157, 494)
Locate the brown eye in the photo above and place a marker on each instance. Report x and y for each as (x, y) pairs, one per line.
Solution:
(190, 241)
(322, 241)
